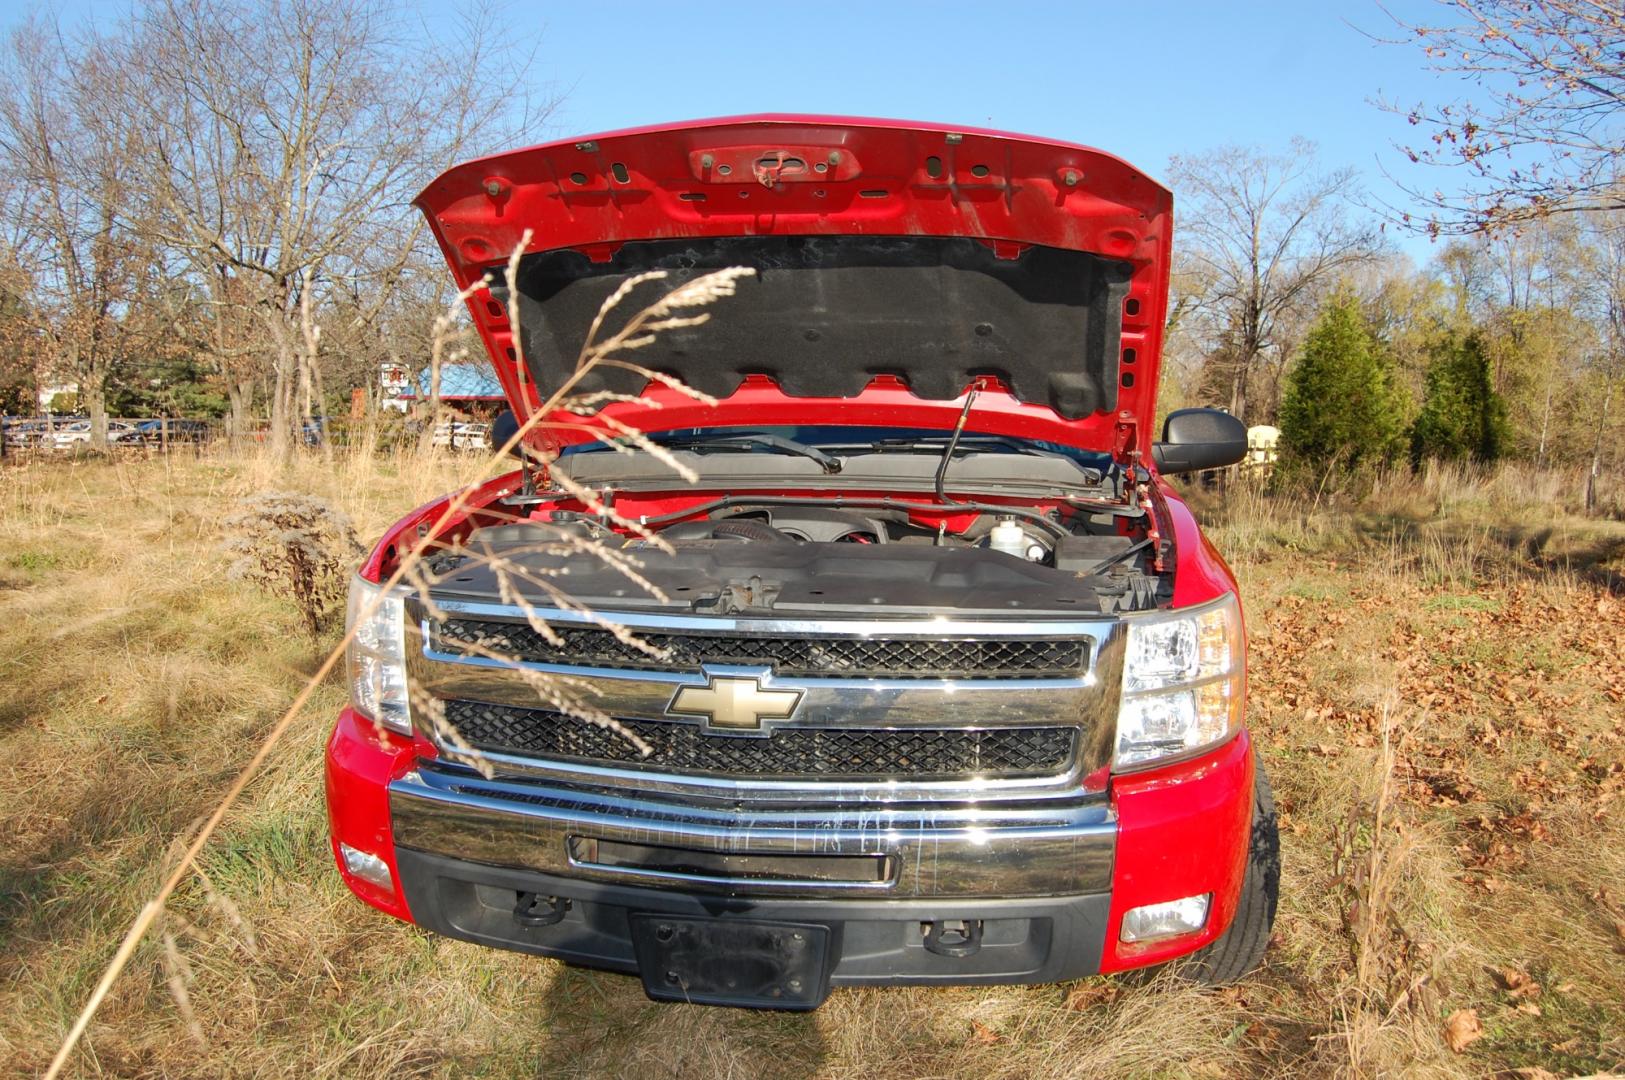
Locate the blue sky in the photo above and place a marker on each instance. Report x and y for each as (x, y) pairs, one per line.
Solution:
(1143, 81)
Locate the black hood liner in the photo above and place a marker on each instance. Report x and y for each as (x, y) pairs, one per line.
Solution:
(825, 314)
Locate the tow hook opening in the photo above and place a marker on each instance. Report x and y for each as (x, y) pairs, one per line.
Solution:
(535, 910)
(953, 937)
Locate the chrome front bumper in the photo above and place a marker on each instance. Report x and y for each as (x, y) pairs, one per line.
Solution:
(877, 851)
(879, 837)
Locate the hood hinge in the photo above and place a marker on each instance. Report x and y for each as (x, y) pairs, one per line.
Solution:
(1125, 447)
(1148, 504)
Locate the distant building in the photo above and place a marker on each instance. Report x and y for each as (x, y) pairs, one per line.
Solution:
(394, 386)
(47, 392)
(472, 388)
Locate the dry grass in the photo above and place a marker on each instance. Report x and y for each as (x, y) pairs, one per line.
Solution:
(1468, 618)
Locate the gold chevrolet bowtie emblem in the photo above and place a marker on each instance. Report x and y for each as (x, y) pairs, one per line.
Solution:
(740, 704)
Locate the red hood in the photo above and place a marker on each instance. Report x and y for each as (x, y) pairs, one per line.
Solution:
(1035, 268)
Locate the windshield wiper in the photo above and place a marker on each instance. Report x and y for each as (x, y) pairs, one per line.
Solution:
(935, 443)
(948, 445)
(745, 440)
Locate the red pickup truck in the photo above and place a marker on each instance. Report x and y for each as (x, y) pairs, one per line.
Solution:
(933, 679)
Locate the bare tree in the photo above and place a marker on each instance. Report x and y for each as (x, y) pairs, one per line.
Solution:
(1258, 234)
(1608, 366)
(280, 142)
(1545, 136)
(417, 329)
(67, 190)
(17, 328)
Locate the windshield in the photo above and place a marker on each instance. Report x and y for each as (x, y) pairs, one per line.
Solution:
(845, 439)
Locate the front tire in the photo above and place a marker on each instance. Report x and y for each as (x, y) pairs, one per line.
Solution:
(1241, 947)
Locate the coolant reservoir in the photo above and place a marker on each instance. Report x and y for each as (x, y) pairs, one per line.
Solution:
(1009, 538)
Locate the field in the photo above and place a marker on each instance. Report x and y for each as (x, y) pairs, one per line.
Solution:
(1438, 681)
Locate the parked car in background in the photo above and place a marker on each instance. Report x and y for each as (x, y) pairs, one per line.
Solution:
(38, 433)
(24, 434)
(77, 435)
(156, 432)
(472, 436)
(461, 435)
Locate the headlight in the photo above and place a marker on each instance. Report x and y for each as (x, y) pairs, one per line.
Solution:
(1184, 683)
(377, 656)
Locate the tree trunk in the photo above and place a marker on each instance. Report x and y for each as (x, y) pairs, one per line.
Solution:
(281, 414)
(1545, 421)
(92, 391)
(434, 397)
(93, 396)
(311, 404)
(241, 396)
(282, 388)
(1238, 391)
(1596, 448)
(281, 408)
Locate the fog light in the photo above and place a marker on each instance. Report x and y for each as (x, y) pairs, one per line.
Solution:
(1164, 920)
(370, 867)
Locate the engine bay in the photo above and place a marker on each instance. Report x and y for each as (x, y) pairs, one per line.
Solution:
(817, 555)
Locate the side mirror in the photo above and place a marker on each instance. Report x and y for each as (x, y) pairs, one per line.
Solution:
(1194, 440)
(502, 429)
(503, 426)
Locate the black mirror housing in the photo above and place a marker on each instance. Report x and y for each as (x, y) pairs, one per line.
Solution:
(502, 429)
(1194, 440)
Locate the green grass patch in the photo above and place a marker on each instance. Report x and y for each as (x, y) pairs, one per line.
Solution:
(1571, 1037)
(258, 857)
(1462, 602)
(1316, 591)
(34, 562)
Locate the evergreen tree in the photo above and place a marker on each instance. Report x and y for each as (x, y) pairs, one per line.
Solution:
(1462, 417)
(1341, 408)
(177, 387)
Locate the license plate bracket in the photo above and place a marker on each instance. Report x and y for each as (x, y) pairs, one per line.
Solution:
(737, 962)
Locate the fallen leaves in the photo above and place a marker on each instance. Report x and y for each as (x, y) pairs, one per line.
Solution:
(1087, 997)
(1517, 984)
(1521, 826)
(1462, 1029)
(1506, 694)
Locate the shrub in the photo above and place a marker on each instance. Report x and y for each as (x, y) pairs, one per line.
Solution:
(1341, 409)
(1462, 417)
(293, 544)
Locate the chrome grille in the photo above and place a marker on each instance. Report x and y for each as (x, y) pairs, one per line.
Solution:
(857, 657)
(788, 753)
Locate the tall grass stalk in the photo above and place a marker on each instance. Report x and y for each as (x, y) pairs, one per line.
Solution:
(679, 308)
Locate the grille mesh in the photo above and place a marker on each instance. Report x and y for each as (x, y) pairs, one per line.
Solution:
(991, 657)
(789, 753)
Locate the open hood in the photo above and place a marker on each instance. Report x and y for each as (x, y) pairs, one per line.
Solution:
(898, 265)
